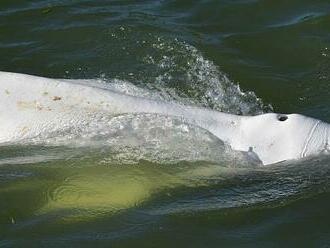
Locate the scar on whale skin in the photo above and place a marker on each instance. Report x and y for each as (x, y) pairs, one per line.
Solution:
(25, 105)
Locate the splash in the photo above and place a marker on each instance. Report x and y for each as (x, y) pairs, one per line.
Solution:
(177, 71)
(131, 138)
(200, 81)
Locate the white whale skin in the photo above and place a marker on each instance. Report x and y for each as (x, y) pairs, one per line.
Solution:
(31, 106)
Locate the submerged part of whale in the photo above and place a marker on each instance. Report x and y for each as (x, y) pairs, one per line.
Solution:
(32, 106)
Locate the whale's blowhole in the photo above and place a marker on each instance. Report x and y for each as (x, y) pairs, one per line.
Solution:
(282, 117)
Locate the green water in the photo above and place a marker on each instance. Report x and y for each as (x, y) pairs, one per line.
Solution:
(178, 190)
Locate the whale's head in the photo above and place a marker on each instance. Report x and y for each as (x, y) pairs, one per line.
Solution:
(278, 137)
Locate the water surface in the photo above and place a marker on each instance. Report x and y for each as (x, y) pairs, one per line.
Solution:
(162, 183)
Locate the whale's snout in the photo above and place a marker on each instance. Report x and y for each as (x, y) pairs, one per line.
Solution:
(278, 137)
(317, 140)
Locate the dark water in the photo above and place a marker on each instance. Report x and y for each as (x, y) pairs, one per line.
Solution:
(180, 192)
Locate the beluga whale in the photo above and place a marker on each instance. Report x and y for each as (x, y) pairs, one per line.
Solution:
(32, 106)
